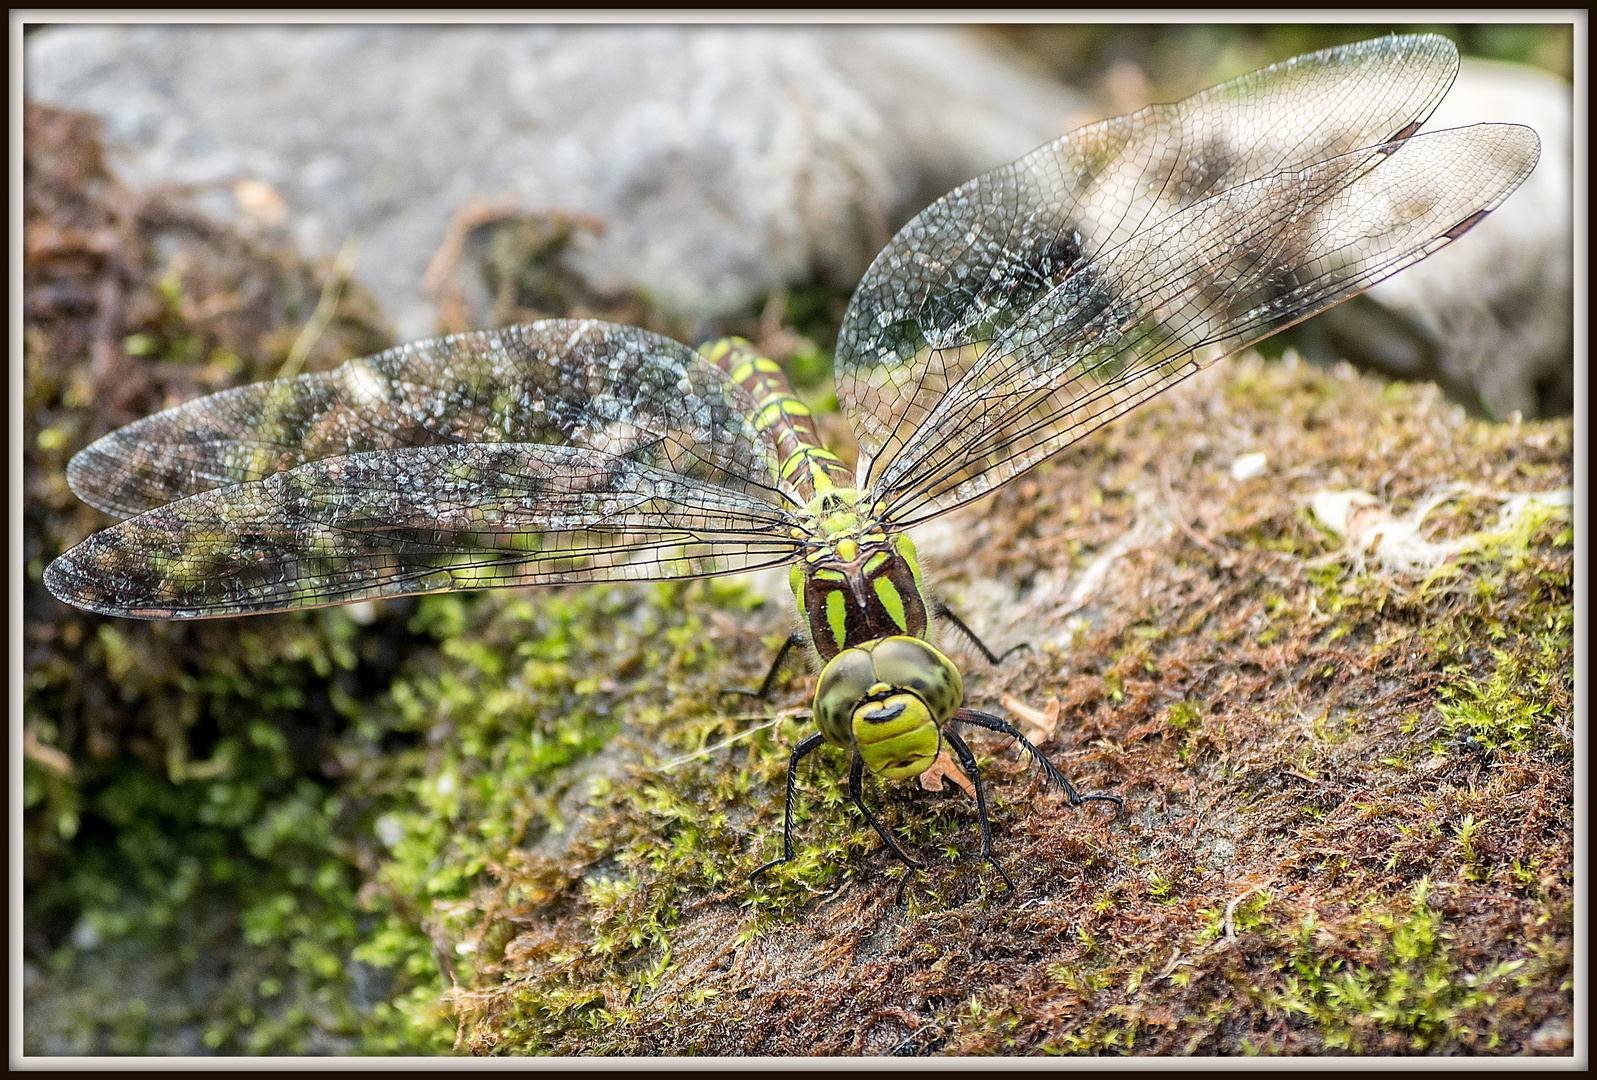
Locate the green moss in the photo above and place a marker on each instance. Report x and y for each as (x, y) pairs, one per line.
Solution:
(1413, 987)
(523, 822)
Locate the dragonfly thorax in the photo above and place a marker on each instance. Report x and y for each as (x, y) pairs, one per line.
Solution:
(888, 699)
(853, 588)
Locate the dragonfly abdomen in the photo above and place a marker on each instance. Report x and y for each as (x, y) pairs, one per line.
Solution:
(786, 421)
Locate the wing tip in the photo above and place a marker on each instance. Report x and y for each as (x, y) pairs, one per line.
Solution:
(71, 580)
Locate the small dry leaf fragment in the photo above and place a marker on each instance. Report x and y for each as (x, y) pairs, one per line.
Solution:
(1036, 724)
(260, 203)
(932, 778)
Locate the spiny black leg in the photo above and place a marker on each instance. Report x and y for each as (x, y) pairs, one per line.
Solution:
(967, 761)
(856, 789)
(943, 611)
(793, 641)
(792, 786)
(993, 723)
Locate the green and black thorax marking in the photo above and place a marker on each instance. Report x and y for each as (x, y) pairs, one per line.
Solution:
(886, 694)
(856, 581)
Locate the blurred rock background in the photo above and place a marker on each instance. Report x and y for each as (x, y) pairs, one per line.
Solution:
(489, 173)
(715, 163)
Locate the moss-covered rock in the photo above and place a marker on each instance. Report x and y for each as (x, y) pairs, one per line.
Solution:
(1348, 822)
(522, 822)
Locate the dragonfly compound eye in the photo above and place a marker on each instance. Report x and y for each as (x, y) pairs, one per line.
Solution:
(907, 663)
(846, 681)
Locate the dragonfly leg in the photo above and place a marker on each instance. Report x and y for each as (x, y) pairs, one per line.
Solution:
(993, 723)
(967, 761)
(793, 641)
(856, 789)
(799, 751)
(943, 611)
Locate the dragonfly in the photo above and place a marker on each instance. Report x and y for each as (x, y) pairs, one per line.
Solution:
(1006, 321)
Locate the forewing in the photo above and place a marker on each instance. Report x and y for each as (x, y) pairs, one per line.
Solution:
(417, 520)
(971, 264)
(1204, 282)
(584, 383)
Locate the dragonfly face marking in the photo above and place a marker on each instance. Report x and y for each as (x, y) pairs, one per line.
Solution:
(1009, 319)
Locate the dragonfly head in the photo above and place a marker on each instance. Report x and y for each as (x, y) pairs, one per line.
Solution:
(888, 699)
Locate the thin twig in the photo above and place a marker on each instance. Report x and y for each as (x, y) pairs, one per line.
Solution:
(1181, 519)
(1231, 911)
(343, 269)
(786, 715)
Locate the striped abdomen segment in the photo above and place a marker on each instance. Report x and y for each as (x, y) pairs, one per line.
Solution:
(807, 465)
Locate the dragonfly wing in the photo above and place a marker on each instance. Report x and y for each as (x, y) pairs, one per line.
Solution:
(971, 264)
(416, 520)
(585, 383)
(1201, 283)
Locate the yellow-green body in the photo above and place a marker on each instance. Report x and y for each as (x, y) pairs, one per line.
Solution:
(885, 690)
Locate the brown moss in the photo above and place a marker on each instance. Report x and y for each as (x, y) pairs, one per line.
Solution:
(1349, 793)
(1319, 852)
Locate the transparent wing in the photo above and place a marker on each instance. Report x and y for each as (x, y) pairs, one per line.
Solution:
(1207, 280)
(584, 383)
(971, 264)
(416, 520)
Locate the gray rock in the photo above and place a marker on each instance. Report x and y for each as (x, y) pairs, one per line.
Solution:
(722, 162)
(705, 166)
(1491, 316)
